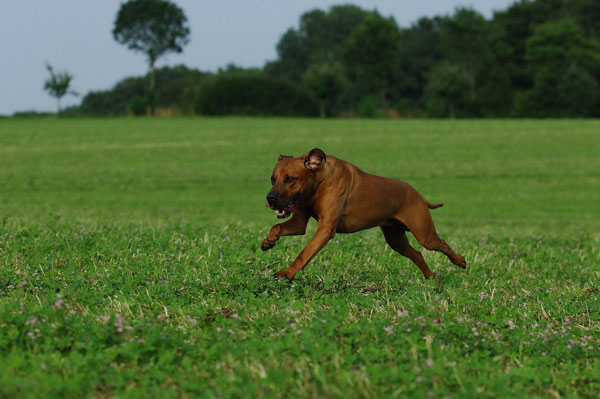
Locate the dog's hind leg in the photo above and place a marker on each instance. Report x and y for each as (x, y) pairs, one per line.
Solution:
(396, 238)
(455, 258)
(421, 225)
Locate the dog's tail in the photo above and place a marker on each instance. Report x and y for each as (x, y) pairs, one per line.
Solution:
(433, 206)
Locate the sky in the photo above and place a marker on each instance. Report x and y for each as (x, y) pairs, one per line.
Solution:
(75, 35)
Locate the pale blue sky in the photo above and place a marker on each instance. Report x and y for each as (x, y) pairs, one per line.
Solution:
(76, 35)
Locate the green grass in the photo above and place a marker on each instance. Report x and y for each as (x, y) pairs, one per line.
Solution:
(130, 263)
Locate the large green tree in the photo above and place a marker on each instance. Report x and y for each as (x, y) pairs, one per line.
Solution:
(560, 55)
(153, 27)
(371, 53)
(318, 39)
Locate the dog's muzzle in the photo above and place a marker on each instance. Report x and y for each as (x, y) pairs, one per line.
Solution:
(282, 212)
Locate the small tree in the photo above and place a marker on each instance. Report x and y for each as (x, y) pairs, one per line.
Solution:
(57, 85)
(153, 27)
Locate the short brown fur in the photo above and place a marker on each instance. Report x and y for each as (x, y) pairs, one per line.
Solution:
(344, 199)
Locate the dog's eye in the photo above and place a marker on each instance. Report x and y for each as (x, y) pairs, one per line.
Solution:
(289, 179)
(272, 180)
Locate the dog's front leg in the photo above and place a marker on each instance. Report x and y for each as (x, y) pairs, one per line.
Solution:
(325, 232)
(293, 227)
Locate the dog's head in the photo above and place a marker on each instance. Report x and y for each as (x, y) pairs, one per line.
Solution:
(292, 179)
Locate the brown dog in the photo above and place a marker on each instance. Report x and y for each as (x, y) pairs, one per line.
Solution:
(344, 199)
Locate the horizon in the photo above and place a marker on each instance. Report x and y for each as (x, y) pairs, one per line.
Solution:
(98, 62)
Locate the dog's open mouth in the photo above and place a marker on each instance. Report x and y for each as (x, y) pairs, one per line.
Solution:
(285, 212)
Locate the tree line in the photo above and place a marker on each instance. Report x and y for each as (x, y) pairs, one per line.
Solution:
(536, 58)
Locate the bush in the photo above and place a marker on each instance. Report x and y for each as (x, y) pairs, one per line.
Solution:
(138, 105)
(102, 103)
(369, 108)
(252, 93)
(131, 94)
(32, 114)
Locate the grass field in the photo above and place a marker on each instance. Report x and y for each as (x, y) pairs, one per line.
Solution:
(130, 263)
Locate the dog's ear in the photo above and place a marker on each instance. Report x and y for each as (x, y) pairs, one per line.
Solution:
(315, 159)
(283, 157)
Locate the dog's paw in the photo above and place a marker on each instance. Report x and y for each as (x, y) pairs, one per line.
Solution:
(430, 275)
(267, 244)
(283, 273)
(460, 261)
